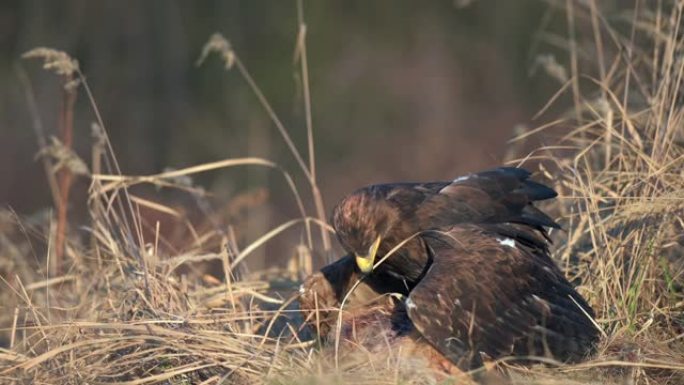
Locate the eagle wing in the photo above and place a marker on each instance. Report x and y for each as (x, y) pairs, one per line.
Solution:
(503, 194)
(493, 289)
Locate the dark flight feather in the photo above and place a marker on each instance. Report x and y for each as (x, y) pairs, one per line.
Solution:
(485, 292)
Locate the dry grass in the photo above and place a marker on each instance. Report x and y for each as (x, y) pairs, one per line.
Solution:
(119, 311)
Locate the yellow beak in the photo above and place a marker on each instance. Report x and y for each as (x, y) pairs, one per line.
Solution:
(365, 262)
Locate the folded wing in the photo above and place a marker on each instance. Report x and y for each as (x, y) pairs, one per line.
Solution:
(493, 289)
(501, 195)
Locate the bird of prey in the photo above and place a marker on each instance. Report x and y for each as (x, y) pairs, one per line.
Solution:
(470, 258)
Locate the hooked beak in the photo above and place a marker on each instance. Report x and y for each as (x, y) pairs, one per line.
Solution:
(365, 262)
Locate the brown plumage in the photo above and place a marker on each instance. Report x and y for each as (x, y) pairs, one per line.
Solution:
(476, 275)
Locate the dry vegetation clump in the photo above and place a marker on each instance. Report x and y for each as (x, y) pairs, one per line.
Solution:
(117, 310)
(619, 167)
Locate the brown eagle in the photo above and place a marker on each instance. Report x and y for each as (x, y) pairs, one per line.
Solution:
(470, 261)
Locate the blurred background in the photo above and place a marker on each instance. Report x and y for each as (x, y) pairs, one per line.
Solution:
(401, 90)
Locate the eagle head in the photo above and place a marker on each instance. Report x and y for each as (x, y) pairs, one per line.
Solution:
(361, 221)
